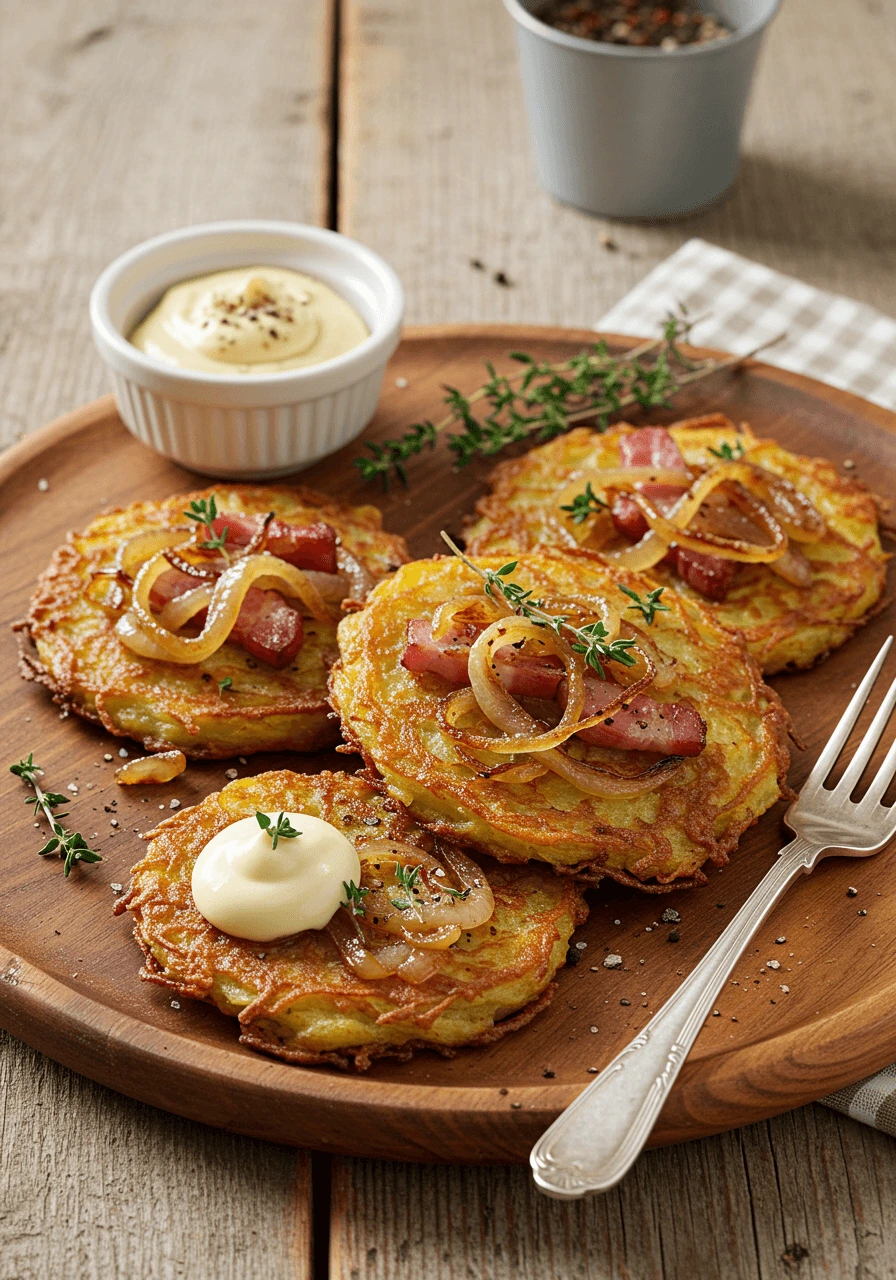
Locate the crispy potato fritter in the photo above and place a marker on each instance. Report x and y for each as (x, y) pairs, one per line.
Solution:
(656, 839)
(784, 625)
(295, 997)
(78, 656)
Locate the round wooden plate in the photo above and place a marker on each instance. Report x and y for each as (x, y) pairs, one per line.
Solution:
(68, 970)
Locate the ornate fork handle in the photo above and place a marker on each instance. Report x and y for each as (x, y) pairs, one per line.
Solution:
(599, 1137)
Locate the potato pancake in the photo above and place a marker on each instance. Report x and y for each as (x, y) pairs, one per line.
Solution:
(785, 623)
(654, 839)
(296, 998)
(230, 704)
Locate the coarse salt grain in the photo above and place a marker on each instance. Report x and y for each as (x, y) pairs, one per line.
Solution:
(175, 1004)
(107, 756)
(115, 887)
(73, 788)
(175, 804)
(43, 485)
(785, 988)
(580, 946)
(612, 962)
(773, 964)
(231, 774)
(401, 382)
(123, 752)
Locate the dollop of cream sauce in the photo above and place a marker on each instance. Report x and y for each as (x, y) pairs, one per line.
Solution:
(244, 886)
(256, 320)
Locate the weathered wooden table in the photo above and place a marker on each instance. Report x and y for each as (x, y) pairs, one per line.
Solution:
(400, 122)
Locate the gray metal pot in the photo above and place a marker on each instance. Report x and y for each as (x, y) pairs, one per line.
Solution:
(638, 133)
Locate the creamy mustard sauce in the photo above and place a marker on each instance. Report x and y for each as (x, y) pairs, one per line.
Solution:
(244, 886)
(256, 320)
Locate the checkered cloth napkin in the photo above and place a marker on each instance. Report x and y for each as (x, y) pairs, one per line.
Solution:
(828, 337)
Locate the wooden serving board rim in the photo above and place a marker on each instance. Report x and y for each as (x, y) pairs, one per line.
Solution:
(114, 1048)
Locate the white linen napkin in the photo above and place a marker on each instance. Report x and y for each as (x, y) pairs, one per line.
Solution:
(835, 339)
(831, 338)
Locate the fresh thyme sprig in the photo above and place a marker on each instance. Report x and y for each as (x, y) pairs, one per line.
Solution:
(590, 640)
(460, 895)
(205, 512)
(544, 399)
(650, 606)
(70, 845)
(354, 898)
(407, 877)
(727, 452)
(584, 505)
(281, 830)
(225, 685)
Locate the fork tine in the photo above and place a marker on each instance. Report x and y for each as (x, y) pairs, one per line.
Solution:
(837, 740)
(865, 749)
(882, 779)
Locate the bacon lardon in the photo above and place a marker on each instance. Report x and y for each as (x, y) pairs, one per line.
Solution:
(307, 546)
(654, 447)
(670, 728)
(266, 626)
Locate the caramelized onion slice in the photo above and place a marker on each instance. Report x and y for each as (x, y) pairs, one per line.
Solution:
(151, 769)
(428, 921)
(178, 612)
(523, 732)
(264, 571)
(522, 729)
(410, 962)
(713, 543)
(358, 577)
(801, 520)
(603, 478)
(345, 933)
(473, 609)
(143, 546)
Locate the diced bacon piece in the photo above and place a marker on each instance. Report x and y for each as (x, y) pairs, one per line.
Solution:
(710, 575)
(671, 728)
(523, 676)
(170, 585)
(268, 628)
(446, 657)
(650, 447)
(307, 546)
(628, 517)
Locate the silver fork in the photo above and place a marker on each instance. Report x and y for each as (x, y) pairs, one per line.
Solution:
(599, 1137)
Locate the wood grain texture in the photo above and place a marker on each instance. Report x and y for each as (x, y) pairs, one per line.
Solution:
(73, 991)
(123, 120)
(437, 170)
(811, 1186)
(95, 1186)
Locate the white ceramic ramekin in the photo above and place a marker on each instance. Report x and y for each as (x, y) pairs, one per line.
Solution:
(233, 426)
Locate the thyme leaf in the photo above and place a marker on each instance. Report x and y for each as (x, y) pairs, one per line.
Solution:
(727, 452)
(354, 898)
(543, 400)
(70, 845)
(584, 505)
(281, 830)
(590, 640)
(650, 606)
